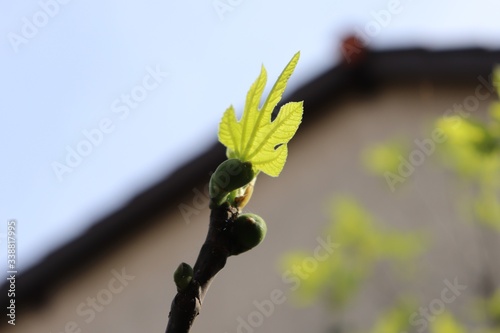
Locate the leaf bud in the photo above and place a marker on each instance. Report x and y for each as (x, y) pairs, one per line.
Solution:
(229, 176)
(183, 276)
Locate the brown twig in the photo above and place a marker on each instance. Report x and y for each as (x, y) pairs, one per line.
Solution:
(211, 259)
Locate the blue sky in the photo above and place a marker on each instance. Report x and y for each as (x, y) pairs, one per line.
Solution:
(137, 88)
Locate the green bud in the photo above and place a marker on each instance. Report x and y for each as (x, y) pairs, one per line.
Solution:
(229, 176)
(183, 276)
(248, 231)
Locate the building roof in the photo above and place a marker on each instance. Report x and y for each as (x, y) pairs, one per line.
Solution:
(363, 76)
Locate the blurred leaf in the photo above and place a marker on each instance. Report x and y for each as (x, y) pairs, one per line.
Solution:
(384, 157)
(363, 243)
(493, 307)
(401, 246)
(296, 266)
(460, 131)
(494, 126)
(395, 320)
(487, 210)
(495, 111)
(446, 323)
(468, 144)
(496, 78)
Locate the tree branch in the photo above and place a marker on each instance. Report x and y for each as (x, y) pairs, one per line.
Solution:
(211, 259)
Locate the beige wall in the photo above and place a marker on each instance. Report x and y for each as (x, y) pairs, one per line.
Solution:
(323, 162)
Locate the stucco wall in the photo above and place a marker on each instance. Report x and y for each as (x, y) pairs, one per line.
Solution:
(324, 161)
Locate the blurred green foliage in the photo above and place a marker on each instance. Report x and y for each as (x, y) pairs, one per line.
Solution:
(380, 158)
(488, 310)
(363, 244)
(471, 150)
(446, 323)
(395, 320)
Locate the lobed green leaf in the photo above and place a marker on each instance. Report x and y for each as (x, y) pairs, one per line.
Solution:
(255, 138)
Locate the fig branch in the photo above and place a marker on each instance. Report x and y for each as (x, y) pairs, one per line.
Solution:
(255, 143)
(212, 258)
(229, 233)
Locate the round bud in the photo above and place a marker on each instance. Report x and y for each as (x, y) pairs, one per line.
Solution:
(183, 276)
(248, 231)
(229, 176)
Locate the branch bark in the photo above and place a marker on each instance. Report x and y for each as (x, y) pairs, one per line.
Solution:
(211, 259)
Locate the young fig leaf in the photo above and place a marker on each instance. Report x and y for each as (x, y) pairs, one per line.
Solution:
(255, 138)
